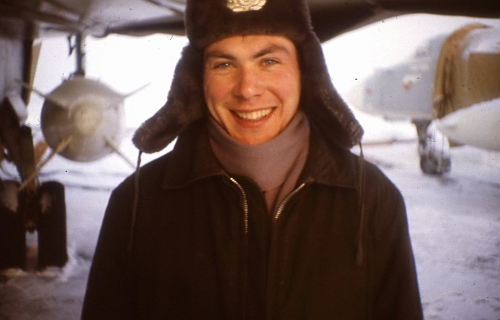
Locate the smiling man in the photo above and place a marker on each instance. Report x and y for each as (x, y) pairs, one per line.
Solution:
(260, 211)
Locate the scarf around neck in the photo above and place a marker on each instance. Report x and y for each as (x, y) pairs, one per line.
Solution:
(274, 165)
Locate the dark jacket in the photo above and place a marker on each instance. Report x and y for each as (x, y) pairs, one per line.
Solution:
(205, 247)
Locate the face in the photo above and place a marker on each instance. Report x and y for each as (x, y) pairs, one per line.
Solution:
(252, 85)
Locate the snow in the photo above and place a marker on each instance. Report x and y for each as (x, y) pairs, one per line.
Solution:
(477, 45)
(454, 220)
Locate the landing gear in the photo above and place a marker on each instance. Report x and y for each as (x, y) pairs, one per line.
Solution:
(28, 207)
(23, 211)
(12, 231)
(52, 226)
(433, 148)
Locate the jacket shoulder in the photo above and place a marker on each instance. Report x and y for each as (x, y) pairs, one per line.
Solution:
(377, 181)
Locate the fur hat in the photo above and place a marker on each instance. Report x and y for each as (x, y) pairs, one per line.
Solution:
(208, 21)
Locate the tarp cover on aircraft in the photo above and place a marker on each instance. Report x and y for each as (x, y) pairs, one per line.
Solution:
(468, 69)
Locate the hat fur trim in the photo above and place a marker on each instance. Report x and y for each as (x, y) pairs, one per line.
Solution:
(208, 21)
(185, 104)
(320, 101)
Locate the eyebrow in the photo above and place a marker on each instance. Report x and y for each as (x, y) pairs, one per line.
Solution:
(269, 49)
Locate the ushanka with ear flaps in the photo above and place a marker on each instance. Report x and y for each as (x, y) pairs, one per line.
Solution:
(208, 21)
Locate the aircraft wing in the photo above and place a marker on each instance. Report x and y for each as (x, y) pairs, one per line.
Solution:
(139, 17)
(98, 17)
(333, 17)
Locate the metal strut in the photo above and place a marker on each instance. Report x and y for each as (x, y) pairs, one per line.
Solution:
(77, 45)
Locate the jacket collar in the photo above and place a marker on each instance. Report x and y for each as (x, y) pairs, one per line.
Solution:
(192, 159)
(329, 164)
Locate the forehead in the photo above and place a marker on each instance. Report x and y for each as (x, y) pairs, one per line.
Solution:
(251, 45)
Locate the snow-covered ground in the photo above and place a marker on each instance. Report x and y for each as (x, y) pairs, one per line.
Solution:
(454, 224)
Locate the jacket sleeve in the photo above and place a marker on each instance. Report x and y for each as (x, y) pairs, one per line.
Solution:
(109, 289)
(393, 272)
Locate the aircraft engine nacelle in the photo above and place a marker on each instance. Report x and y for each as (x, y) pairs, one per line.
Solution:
(84, 115)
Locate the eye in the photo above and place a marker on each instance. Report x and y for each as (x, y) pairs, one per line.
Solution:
(270, 62)
(221, 65)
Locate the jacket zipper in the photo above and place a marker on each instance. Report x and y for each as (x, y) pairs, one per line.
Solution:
(273, 251)
(245, 210)
(245, 202)
(290, 195)
(245, 272)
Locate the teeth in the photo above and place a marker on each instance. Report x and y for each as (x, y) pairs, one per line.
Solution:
(254, 115)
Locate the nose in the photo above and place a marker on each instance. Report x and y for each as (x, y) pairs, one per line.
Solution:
(248, 83)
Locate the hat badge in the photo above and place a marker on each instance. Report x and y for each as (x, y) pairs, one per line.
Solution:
(245, 5)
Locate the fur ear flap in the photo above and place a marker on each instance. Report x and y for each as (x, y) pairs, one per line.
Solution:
(185, 104)
(321, 102)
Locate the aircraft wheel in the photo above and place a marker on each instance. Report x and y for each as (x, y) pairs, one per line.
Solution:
(433, 165)
(12, 232)
(52, 250)
(429, 165)
(434, 150)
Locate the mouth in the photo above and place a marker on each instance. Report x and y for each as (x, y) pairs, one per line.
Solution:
(253, 115)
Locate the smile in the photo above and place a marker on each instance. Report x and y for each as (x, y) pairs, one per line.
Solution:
(254, 115)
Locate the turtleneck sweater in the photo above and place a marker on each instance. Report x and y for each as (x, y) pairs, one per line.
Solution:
(274, 165)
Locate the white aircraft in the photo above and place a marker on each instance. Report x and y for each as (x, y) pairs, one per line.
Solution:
(74, 113)
(450, 90)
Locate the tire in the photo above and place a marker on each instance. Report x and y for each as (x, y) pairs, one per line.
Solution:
(428, 166)
(52, 250)
(432, 166)
(12, 232)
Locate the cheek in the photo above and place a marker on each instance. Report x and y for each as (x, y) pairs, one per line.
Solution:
(214, 98)
(214, 90)
(289, 89)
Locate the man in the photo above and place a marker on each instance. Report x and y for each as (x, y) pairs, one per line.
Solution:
(260, 211)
